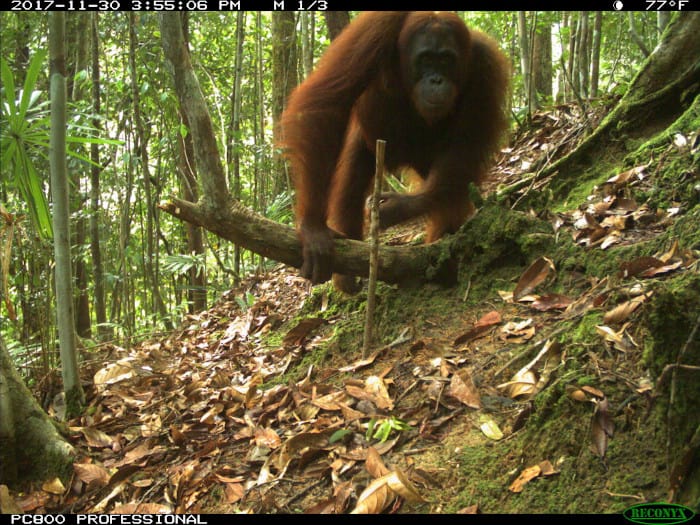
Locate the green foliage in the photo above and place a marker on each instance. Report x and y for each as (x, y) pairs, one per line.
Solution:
(381, 429)
(181, 265)
(24, 124)
(245, 301)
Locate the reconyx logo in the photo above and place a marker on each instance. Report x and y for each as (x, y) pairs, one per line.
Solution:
(658, 514)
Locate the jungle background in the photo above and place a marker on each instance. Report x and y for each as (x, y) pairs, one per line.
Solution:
(194, 375)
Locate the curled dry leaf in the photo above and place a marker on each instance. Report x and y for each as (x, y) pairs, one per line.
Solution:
(399, 483)
(522, 384)
(621, 340)
(374, 464)
(381, 492)
(536, 273)
(602, 427)
(621, 312)
(375, 498)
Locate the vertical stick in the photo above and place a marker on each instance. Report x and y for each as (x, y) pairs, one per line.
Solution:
(374, 246)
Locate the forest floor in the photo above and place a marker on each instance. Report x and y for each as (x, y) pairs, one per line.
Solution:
(532, 387)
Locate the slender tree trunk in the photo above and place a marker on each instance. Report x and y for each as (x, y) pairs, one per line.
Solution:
(308, 37)
(95, 210)
(197, 278)
(61, 212)
(525, 56)
(236, 123)
(542, 62)
(260, 200)
(634, 35)
(595, 53)
(336, 21)
(583, 56)
(78, 39)
(150, 269)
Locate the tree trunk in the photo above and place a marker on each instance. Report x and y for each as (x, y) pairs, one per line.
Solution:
(284, 79)
(150, 260)
(79, 41)
(525, 57)
(336, 21)
(595, 53)
(542, 62)
(30, 446)
(308, 37)
(95, 209)
(61, 212)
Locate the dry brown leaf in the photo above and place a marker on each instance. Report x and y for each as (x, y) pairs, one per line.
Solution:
(267, 437)
(621, 340)
(621, 312)
(463, 389)
(53, 486)
(480, 327)
(525, 477)
(376, 386)
(535, 274)
(89, 473)
(333, 401)
(639, 265)
(297, 334)
(551, 301)
(96, 438)
(522, 384)
(381, 492)
(651, 272)
(374, 464)
(376, 497)
(143, 450)
(233, 492)
(471, 509)
(602, 427)
(113, 373)
(399, 483)
(363, 394)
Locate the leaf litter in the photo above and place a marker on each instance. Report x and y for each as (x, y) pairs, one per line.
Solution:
(195, 421)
